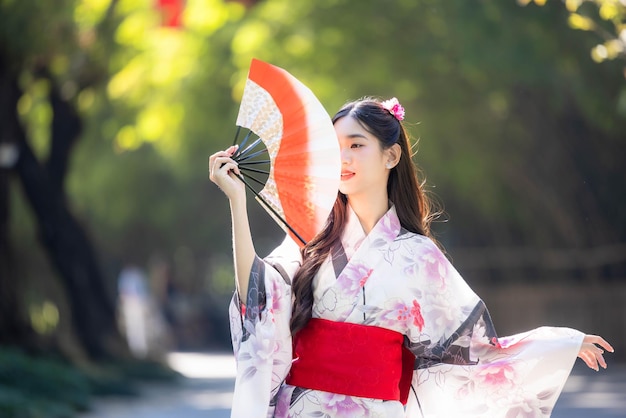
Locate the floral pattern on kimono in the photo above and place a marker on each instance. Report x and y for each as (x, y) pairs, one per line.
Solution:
(401, 281)
(260, 332)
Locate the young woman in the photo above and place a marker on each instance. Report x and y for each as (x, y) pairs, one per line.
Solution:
(382, 324)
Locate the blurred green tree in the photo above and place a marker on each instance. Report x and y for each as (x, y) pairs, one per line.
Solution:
(96, 69)
(520, 132)
(44, 66)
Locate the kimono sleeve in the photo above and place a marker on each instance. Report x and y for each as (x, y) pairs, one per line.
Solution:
(463, 369)
(260, 332)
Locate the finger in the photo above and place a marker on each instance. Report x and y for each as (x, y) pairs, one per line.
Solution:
(589, 359)
(604, 344)
(585, 357)
(215, 156)
(596, 356)
(219, 162)
(216, 164)
(590, 362)
(232, 149)
(226, 153)
(221, 154)
(230, 167)
(601, 361)
(226, 168)
(596, 339)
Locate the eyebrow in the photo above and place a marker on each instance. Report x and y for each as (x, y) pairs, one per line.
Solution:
(357, 135)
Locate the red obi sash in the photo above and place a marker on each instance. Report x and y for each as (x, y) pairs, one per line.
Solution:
(352, 359)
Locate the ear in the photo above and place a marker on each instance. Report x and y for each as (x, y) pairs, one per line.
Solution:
(394, 153)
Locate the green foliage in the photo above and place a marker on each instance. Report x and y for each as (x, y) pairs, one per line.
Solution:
(521, 133)
(34, 387)
(484, 85)
(490, 84)
(52, 20)
(44, 387)
(607, 18)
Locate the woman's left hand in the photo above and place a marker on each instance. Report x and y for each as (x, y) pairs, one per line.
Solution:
(591, 354)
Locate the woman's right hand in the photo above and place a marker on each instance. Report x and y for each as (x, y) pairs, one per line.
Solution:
(223, 171)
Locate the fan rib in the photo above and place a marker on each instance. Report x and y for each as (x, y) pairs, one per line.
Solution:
(240, 149)
(254, 170)
(250, 156)
(270, 208)
(249, 148)
(236, 135)
(248, 176)
(244, 163)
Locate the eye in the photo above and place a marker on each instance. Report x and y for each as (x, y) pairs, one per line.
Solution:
(356, 146)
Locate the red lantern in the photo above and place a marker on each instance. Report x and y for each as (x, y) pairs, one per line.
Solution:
(171, 12)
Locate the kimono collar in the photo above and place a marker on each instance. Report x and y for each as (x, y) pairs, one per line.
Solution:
(386, 229)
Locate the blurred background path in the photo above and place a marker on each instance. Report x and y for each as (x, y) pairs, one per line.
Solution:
(206, 391)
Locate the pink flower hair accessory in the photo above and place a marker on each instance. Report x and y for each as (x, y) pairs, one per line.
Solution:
(394, 107)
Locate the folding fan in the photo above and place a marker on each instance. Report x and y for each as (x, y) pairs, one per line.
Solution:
(301, 181)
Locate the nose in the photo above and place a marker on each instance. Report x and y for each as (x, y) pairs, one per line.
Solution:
(345, 155)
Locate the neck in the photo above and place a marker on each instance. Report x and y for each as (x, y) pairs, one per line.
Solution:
(369, 209)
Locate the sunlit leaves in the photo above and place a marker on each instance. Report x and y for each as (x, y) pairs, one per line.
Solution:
(137, 27)
(174, 56)
(573, 5)
(148, 81)
(44, 317)
(35, 110)
(207, 16)
(611, 49)
(88, 13)
(526, 2)
(125, 82)
(610, 10)
(613, 11)
(250, 37)
(156, 124)
(86, 99)
(154, 121)
(274, 30)
(580, 22)
(298, 45)
(127, 139)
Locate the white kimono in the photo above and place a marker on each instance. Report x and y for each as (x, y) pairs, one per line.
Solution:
(401, 281)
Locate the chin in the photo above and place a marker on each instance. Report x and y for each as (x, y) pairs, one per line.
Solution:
(344, 190)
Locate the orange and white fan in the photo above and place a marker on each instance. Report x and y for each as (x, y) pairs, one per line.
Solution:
(300, 180)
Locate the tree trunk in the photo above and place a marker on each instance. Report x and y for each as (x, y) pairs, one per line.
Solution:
(14, 330)
(67, 245)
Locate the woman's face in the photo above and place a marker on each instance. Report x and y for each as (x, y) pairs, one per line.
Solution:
(363, 161)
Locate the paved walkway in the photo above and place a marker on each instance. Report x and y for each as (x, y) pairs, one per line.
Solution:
(207, 389)
(590, 394)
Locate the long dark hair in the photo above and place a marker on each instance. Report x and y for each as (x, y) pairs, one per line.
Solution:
(404, 189)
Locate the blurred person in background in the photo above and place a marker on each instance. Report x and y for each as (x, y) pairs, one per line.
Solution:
(133, 308)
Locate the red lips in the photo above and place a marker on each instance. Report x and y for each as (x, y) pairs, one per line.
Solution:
(346, 175)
